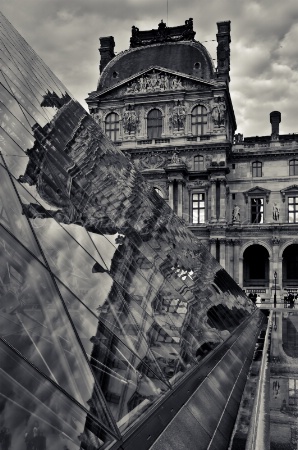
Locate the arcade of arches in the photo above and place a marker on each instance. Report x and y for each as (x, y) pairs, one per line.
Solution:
(259, 268)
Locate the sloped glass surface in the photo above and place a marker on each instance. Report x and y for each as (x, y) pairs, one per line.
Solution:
(126, 378)
(124, 300)
(35, 322)
(36, 414)
(11, 214)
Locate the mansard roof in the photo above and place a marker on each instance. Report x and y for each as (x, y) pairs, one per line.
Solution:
(150, 70)
(188, 57)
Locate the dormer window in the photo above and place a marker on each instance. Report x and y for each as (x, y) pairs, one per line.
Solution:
(257, 169)
(199, 120)
(293, 166)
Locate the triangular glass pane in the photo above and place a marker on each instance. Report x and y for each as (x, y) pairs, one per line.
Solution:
(36, 414)
(28, 63)
(35, 322)
(126, 379)
(11, 214)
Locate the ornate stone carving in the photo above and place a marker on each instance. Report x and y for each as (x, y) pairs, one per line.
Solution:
(275, 240)
(178, 116)
(198, 183)
(152, 161)
(162, 34)
(156, 82)
(97, 116)
(218, 114)
(130, 120)
(176, 159)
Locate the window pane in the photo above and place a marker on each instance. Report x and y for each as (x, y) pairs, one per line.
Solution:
(112, 126)
(154, 124)
(199, 120)
(257, 210)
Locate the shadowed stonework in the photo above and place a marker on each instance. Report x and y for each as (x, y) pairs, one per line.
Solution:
(114, 318)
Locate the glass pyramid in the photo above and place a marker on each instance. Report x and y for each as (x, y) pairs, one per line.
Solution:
(107, 299)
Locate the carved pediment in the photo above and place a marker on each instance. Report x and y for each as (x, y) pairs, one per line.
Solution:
(155, 79)
(257, 192)
(293, 189)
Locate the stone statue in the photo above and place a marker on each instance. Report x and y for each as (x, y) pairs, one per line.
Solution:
(175, 159)
(130, 121)
(219, 114)
(275, 212)
(178, 116)
(236, 214)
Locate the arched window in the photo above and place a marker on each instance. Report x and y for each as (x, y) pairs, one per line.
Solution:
(293, 167)
(257, 169)
(112, 126)
(154, 124)
(199, 120)
(198, 163)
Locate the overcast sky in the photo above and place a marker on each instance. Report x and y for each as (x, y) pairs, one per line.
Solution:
(264, 50)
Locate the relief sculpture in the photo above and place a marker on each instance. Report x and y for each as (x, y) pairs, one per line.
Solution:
(155, 81)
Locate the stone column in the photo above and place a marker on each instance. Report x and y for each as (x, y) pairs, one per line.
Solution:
(213, 200)
(222, 200)
(229, 254)
(171, 194)
(180, 198)
(275, 247)
(274, 266)
(222, 253)
(213, 247)
(236, 262)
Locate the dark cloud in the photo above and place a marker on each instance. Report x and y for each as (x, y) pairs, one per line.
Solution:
(263, 50)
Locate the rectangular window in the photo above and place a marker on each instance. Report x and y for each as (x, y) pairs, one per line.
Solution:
(198, 208)
(257, 210)
(293, 167)
(293, 391)
(257, 169)
(293, 209)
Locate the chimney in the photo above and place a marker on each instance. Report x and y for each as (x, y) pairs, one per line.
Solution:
(107, 45)
(223, 38)
(275, 119)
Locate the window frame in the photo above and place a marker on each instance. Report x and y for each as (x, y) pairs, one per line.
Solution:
(257, 169)
(293, 167)
(295, 208)
(198, 162)
(199, 128)
(112, 132)
(257, 197)
(198, 208)
(154, 131)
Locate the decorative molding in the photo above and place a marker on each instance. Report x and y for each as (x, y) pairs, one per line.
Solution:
(257, 191)
(289, 190)
(275, 240)
(152, 161)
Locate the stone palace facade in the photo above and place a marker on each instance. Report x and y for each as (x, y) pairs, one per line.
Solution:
(169, 110)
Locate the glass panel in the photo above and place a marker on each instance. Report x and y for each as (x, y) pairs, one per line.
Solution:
(37, 415)
(124, 377)
(35, 322)
(11, 214)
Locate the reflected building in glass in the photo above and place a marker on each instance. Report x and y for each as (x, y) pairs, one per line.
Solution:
(118, 327)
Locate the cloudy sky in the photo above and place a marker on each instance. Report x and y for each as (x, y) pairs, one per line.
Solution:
(264, 50)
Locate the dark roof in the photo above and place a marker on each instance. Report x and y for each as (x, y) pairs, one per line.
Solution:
(186, 57)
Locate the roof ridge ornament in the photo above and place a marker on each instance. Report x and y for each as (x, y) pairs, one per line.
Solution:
(162, 34)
